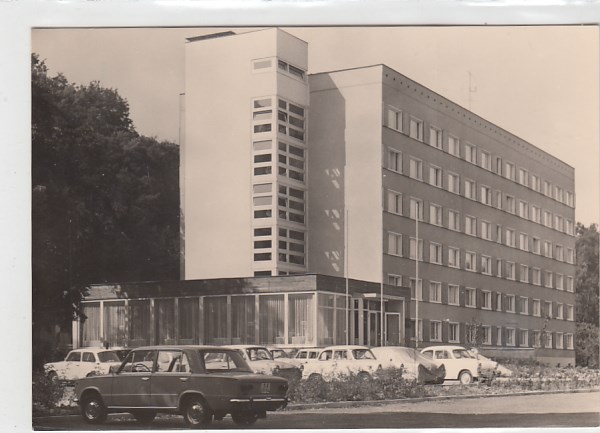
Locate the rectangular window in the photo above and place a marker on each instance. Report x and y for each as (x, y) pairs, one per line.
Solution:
(536, 245)
(547, 218)
(435, 253)
(559, 311)
(548, 249)
(435, 214)
(570, 313)
(510, 204)
(486, 298)
(523, 177)
(548, 340)
(536, 276)
(416, 129)
(558, 223)
(569, 228)
(548, 309)
(559, 340)
(486, 337)
(435, 176)
(454, 220)
(470, 261)
(470, 225)
(394, 244)
(559, 281)
(470, 189)
(453, 145)
(547, 189)
(435, 329)
(435, 291)
(523, 338)
(453, 294)
(535, 182)
(499, 234)
(486, 160)
(499, 268)
(523, 305)
(523, 209)
(509, 170)
(435, 137)
(453, 257)
(394, 161)
(454, 183)
(537, 307)
(510, 303)
(416, 208)
(498, 167)
(570, 198)
(470, 153)
(569, 341)
(453, 332)
(486, 195)
(570, 255)
(558, 193)
(413, 249)
(536, 214)
(394, 202)
(498, 301)
(510, 237)
(416, 168)
(416, 290)
(498, 195)
(536, 339)
(486, 230)
(510, 270)
(523, 241)
(570, 287)
(486, 265)
(470, 297)
(394, 280)
(548, 278)
(393, 118)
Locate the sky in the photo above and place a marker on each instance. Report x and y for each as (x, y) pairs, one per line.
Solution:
(540, 83)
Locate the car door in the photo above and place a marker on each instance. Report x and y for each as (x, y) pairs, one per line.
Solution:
(72, 365)
(87, 365)
(443, 356)
(131, 383)
(170, 378)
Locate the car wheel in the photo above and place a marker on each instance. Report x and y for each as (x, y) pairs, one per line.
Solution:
(93, 410)
(244, 417)
(144, 416)
(196, 413)
(315, 378)
(363, 376)
(53, 377)
(91, 373)
(465, 377)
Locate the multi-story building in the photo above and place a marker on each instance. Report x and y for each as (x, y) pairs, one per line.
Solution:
(365, 175)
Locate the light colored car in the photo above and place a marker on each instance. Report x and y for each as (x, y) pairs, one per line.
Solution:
(304, 355)
(78, 363)
(336, 361)
(490, 366)
(459, 363)
(415, 366)
(261, 361)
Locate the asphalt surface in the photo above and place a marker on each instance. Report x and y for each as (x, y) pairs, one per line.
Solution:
(547, 410)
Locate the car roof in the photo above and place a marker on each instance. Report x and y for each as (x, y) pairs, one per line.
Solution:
(244, 346)
(95, 349)
(183, 347)
(349, 347)
(444, 348)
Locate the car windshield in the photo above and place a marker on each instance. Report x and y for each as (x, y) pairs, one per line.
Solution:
(222, 361)
(460, 354)
(110, 356)
(258, 354)
(362, 354)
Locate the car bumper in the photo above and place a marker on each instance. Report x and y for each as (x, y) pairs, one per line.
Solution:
(259, 403)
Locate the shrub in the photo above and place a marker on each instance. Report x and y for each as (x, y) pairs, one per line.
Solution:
(45, 393)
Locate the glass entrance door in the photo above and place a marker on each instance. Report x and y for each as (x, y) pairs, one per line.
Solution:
(392, 329)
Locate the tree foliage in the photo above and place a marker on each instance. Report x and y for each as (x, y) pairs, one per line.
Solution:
(105, 200)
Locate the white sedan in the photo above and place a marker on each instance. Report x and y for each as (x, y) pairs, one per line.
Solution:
(78, 363)
(459, 363)
(336, 361)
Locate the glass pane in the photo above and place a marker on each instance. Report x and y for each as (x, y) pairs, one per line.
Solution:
(91, 325)
(115, 322)
(301, 318)
(188, 320)
(139, 323)
(272, 316)
(164, 323)
(215, 319)
(243, 319)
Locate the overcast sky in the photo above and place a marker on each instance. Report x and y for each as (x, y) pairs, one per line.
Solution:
(540, 83)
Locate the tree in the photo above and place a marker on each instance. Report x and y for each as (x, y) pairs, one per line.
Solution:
(105, 200)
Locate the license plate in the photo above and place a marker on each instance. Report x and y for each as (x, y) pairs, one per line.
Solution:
(265, 388)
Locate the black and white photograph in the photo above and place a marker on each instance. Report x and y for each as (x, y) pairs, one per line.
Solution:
(314, 227)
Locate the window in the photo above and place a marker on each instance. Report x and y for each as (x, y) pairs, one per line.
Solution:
(486, 299)
(486, 230)
(547, 219)
(416, 168)
(510, 237)
(535, 339)
(486, 265)
(454, 183)
(548, 278)
(548, 339)
(470, 225)
(558, 223)
(510, 303)
(395, 244)
(510, 204)
(559, 281)
(291, 119)
(416, 129)
(435, 329)
(498, 166)
(470, 261)
(536, 276)
(453, 332)
(536, 214)
(510, 270)
(498, 195)
(453, 220)
(292, 70)
(435, 137)
(498, 301)
(470, 191)
(523, 305)
(510, 337)
(262, 64)
(570, 255)
(548, 249)
(393, 118)
(523, 177)
(548, 309)
(547, 188)
(416, 292)
(569, 341)
(453, 257)
(569, 228)
(523, 338)
(486, 160)
(535, 182)
(524, 273)
(499, 233)
(569, 198)
(537, 307)
(435, 292)
(435, 214)
(416, 208)
(498, 335)
(435, 176)
(413, 249)
(394, 162)
(486, 195)
(558, 193)
(486, 335)
(523, 241)
(509, 170)
(470, 153)
(559, 340)
(453, 294)
(570, 287)
(453, 146)
(536, 245)
(499, 268)
(435, 253)
(394, 280)
(559, 311)
(523, 209)
(394, 202)
(570, 313)
(470, 297)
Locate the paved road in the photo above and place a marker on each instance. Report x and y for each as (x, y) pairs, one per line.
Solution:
(554, 410)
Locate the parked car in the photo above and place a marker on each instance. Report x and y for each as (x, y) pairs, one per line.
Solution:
(458, 362)
(338, 361)
(200, 382)
(261, 361)
(304, 355)
(415, 366)
(278, 352)
(83, 362)
(489, 366)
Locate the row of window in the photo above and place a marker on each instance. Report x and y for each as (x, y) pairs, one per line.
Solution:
(484, 194)
(394, 119)
(450, 332)
(452, 219)
(259, 65)
(290, 118)
(467, 260)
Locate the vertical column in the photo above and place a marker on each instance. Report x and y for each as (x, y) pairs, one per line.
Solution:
(102, 322)
(229, 317)
(152, 324)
